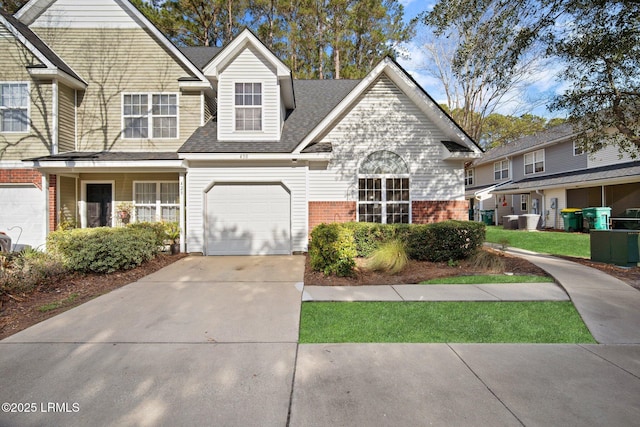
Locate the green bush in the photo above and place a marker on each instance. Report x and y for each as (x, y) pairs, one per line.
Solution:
(332, 249)
(390, 257)
(159, 230)
(331, 244)
(24, 271)
(104, 249)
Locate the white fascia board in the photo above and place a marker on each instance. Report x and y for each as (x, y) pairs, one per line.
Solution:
(212, 69)
(256, 156)
(104, 166)
(194, 86)
(461, 156)
(30, 11)
(342, 106)
(61, 76)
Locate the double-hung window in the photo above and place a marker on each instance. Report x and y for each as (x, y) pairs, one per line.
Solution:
(534, 162)
(14, 107)
(248, 106)
(501, 170)
(468, 177)
(383, 189)
(156, 201)
(150, 115)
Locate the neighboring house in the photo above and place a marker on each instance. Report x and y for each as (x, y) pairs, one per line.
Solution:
(246, 158)
(547, 172)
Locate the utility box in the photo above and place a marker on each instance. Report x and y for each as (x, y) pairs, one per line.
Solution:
(619, 247)
(510, 222)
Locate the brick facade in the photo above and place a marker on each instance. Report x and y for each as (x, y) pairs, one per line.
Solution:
(424, 212)
(21, 176)
(327, 212)
(53, 203)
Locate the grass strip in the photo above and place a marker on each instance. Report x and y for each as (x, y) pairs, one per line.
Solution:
(442, 322)
(548, 242)
(484, 279)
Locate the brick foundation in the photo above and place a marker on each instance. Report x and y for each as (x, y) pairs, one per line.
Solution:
(424, 212)
(327, 212)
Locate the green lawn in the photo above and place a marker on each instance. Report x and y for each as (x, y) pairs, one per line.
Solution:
(488, 278)
(451, 322)
(548, 242)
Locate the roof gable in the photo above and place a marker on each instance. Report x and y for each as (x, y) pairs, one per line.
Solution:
(50, 60)
(101, 14)
(415, 93)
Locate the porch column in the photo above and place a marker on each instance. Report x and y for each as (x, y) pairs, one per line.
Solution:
(183, 239)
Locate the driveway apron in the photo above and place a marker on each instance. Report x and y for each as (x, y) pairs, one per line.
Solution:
(205, 341)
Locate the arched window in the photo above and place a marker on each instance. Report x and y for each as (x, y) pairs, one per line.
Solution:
(383, 189)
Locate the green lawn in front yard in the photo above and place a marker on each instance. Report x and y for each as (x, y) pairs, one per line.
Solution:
(484, 279)
(548, 242)
(442, 322)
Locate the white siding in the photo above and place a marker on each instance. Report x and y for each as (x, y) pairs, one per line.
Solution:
(554, 218)
(384, 118)
(249, 67)
(201, 177)
(85, 14)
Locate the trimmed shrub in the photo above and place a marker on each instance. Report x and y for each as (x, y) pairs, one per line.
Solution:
(332, 249)
(104, 249)
(159, 229)
(444, 241)
(369, 236)
(390, 257)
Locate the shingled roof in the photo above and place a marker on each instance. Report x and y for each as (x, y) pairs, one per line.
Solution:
(315, 99)
(41, 46)
(200, 55)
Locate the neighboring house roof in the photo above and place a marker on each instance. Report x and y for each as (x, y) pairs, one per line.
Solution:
(37, 47)
(314, 100)
(615, 171)
(527, 143)
(200, 55)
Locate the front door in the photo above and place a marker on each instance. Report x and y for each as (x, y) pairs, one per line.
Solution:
(99, 200)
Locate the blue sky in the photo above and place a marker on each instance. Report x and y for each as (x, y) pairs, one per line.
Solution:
(540, 86)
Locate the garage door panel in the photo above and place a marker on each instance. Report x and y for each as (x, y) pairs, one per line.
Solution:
(248, 219)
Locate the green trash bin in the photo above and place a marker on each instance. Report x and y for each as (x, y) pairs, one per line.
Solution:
(487, 217)
(598, 218)
(572, 219)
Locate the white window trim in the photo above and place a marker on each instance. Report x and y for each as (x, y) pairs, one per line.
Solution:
(577, 148)
(501, 170)
(383, 189)
(469, 175)
(28, 107)
(83, 200)
(158, 205)
(533, 155)
(233, 94)
(149, 115)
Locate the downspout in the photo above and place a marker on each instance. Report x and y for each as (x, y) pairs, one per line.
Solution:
(542, 209)
(54, 116)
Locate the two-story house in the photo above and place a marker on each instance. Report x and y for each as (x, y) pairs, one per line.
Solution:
(106, 114)
(547, 172)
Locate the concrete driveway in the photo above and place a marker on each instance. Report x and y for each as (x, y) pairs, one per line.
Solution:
(206, 341)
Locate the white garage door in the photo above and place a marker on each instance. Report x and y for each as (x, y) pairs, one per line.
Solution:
(22, 207)
(248, 219)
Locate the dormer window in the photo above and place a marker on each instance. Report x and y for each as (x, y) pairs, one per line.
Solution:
(248, 105)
